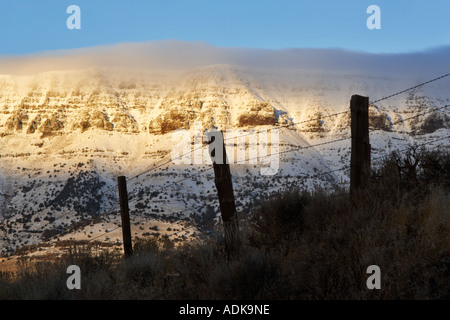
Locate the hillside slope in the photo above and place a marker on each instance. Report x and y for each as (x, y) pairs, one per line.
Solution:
(67, 135)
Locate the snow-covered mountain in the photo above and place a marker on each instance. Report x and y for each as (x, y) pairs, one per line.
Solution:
(67, 135)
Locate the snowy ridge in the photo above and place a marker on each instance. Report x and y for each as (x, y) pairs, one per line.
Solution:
(66, 136)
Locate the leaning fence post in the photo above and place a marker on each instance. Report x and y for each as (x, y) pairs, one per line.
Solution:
(224, 186)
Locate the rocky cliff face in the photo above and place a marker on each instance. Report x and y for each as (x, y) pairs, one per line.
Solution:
(57, 103)
(49, 105)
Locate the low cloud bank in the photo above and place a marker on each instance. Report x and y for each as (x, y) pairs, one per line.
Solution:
(180, 55)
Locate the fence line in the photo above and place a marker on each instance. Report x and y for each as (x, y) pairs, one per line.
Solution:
(287, 124)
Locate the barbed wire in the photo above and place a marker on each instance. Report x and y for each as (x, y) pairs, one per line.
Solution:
(407, 148)
(409, 89)
(317, 175)
(315, 119)
(278, 126)
(415, 116)
(119, 226)
(286, 125)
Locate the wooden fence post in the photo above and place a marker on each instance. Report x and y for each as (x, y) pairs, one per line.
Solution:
(360, 153)
(224, 187)
(125, 213)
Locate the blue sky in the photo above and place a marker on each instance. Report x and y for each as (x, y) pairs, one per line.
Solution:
(29, 26)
